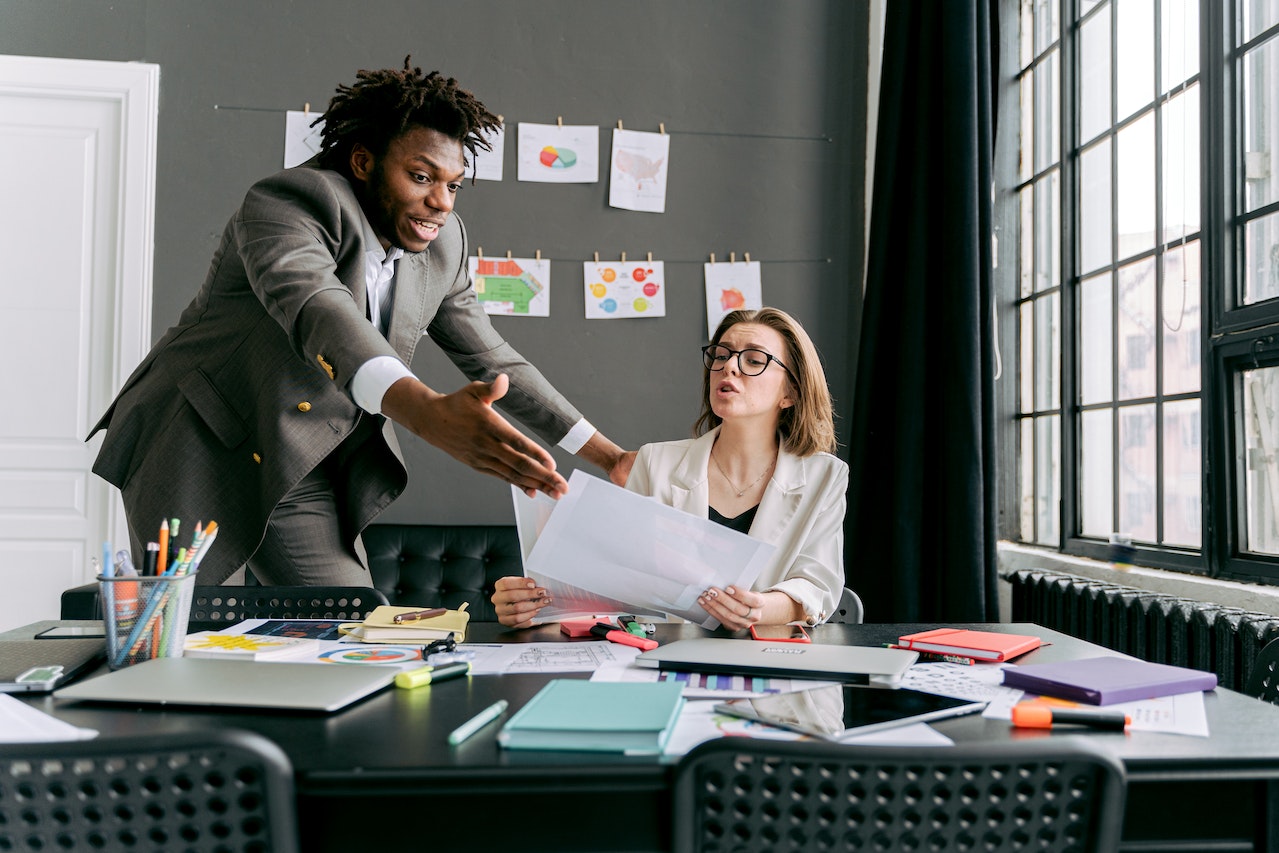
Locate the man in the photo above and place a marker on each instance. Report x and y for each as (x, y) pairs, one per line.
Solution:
(265, 408)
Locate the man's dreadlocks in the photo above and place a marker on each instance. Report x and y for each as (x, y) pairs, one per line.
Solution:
(382, 105)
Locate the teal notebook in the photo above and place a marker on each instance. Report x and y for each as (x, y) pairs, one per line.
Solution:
(596, 716)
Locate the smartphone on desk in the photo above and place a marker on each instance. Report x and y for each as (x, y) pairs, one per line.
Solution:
(780, 633)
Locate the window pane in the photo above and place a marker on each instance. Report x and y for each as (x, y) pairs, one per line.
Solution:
(1097, 477)
(1026, 226)
(1180, 42)
(1136, 335)
(1027, 402)
(1047, 480)
(1047, 352)
(1094, 76)
(1094, 207)
(1135, 189)
(1046, 26)
(1085, 6)
(1135, 74)
(1180, 319)
(1137, 472)
(1261, 440)
(1261, 259)
(1047, 109)
(1182, 474)
(1260, 89)
(1026, 464)
(1026, 32)
(1181, 164)
(1096, 332)
(1047, 232)
(1025, 154)
(1255, 16)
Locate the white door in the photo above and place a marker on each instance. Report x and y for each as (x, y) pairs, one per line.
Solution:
(77, 179)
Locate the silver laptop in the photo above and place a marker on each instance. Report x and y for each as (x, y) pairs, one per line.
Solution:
(785, 660)
(235, 683)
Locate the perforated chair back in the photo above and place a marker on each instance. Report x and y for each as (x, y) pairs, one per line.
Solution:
(742, 794)
(201, 792)
(849, 611)
(1263, 679)
(230, 604)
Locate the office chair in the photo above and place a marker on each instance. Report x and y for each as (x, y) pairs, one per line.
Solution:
(197, 792)
(743, 794)
(1263, 679)
(849, 611)
(231, 604)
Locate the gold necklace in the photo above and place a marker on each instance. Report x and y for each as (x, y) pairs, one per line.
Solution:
(733, 485)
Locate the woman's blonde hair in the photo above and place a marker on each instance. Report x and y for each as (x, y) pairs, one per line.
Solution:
(808, 426)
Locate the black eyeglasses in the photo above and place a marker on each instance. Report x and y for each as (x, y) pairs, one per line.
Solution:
(751, 362)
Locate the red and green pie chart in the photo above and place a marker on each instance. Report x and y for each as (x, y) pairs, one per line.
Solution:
(557, 158)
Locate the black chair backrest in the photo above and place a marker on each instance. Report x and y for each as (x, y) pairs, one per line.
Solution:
(224, 790)
(745, 794)
(1263, 679)
(230, 604)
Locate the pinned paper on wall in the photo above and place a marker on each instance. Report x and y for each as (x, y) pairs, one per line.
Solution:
(729, 287)
(618, 289)
(637, 176)
(519, 287)
(487, 165)
(301, 141)
(559, 153)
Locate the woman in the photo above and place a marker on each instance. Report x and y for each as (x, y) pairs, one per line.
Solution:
(761, 464)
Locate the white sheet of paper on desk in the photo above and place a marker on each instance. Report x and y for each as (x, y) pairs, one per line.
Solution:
(630, 553)
(21, 723)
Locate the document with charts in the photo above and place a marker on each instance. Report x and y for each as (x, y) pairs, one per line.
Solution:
(601, 549)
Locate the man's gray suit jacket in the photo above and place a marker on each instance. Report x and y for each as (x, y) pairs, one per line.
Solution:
(250, 390)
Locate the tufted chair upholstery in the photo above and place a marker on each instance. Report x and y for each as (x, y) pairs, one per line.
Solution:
(442, 564)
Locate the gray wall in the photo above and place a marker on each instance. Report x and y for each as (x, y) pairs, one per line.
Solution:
(765, 102)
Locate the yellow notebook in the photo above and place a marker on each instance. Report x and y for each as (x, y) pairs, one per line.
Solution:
(380, 626)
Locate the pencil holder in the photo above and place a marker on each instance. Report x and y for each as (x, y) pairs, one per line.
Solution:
(145, 617)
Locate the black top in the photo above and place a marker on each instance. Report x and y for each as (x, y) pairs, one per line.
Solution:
(741, 523)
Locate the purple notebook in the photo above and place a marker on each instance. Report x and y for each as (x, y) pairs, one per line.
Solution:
(1107, 680)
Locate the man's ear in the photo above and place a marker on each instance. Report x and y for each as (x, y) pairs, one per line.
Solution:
(361, 162)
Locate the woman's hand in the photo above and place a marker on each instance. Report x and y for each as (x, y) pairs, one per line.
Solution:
(736, 609)
(518, 601)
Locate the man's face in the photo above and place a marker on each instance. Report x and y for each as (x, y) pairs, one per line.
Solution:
(409, 192)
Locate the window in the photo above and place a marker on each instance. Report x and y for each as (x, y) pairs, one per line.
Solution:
(1146, 284)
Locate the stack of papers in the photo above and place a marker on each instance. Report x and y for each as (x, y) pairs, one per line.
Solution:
(596, 716)
(380, 626)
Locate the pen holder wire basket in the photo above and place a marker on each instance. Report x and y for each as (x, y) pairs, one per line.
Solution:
(145, 617)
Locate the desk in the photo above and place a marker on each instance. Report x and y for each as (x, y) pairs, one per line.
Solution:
(381, 769)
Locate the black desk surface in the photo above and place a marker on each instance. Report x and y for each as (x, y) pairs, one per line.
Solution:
(391, 750)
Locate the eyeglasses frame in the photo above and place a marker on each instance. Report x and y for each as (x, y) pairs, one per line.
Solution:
(738, 352)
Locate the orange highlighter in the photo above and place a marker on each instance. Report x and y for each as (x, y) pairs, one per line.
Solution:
(616, 635)
(1039, 715)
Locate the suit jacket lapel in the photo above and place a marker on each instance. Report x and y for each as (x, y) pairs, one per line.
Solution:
(690, 490)
(781, 498)
(408, 303)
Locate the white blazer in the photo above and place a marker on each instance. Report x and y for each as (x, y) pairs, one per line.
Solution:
(802, 513)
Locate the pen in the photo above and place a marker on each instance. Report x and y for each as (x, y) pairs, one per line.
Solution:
(1036, 715)
(479, 721)
(431, 674)
(419, 614)
(613, 635)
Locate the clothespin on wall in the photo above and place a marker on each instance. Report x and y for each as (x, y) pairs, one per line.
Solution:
(623, 257)
(537, 256)
(479, 252)
(619, 125)
(597, 257)
(650, 257)
(747, 256)
(732, 257)
(306, 109)
(712, 257)
(559, 121)
(508, 254)
(661, 128)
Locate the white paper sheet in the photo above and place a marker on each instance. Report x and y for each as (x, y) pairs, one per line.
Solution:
(606, 550)
(20, 723)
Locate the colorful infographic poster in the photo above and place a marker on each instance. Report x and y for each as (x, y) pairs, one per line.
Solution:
(637, 177)
(616, 289)
(559, 154)
(518, 287)
(488, 164)
(301, 141)
(729, 287)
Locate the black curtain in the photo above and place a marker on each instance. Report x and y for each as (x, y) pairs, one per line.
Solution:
(920, 530)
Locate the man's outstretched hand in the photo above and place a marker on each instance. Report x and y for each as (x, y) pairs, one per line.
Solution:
(465, 425)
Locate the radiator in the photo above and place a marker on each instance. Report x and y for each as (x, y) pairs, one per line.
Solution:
(1149, 625)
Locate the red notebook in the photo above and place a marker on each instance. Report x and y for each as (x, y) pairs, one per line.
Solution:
(981, 645)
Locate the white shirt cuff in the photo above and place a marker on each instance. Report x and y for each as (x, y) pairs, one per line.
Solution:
(371, 381)
(577, 436)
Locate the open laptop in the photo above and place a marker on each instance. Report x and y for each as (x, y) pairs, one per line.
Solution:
(857, 664)
(316, 687)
